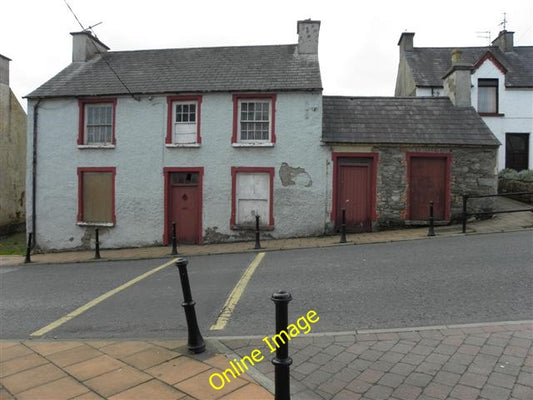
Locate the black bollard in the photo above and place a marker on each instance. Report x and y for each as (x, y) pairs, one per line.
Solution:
(27, 260)
(96, 245)
(257, 241)
(465, 215)
(343, 226)
(174, 240)
(196, 342)
(282, 361)
(431, 231)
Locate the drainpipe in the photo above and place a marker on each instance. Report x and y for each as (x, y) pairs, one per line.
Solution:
(34, 173)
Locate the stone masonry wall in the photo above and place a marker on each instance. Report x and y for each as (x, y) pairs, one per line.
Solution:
(473, 171)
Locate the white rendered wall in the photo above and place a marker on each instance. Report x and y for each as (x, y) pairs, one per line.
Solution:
(516, 105)
(140, 156)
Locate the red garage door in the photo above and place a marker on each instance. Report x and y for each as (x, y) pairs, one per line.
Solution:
(428, 181)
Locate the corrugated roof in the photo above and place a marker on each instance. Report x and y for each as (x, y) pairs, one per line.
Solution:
(210, 69)
(402, 120)
(429, 64)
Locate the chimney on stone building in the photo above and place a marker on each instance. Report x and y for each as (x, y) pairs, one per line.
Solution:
(504, 41)
(85, 46)
(406, 41)
(4, 70)
(308, 36)
(456, 81)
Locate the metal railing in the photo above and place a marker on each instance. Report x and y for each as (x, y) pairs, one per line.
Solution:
(466, 197)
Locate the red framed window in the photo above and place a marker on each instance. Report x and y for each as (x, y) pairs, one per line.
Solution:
(97, 122)
(183, 120)
(252, 193)
(96, 196)
(254, 118)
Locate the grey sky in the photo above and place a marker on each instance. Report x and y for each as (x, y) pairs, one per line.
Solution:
(358, 39)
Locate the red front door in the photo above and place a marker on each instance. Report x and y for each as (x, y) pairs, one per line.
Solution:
(184, 206)
(355, 194)
(427, 182)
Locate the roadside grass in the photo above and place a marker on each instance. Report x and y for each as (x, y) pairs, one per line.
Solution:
(13, 244)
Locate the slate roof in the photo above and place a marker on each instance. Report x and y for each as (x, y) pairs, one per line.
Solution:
(208, 69)
(402, 120)
(429, 64)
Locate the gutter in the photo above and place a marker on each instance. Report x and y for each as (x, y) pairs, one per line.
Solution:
(34, 173)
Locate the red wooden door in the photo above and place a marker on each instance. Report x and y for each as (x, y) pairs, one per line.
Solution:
(427, 182)
(354, 194)
(184, 210)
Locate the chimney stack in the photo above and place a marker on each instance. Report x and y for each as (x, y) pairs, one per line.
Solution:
(406, 41)
(85, 46)
(504, 41)
(4, 70)
(308, 36)
(457, 83)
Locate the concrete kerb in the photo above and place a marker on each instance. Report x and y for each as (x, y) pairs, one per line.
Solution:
(351, 242)
(254, 373)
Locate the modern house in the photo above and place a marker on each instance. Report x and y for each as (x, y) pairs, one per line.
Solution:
(501, 86)
(210, 138)
(12, 156)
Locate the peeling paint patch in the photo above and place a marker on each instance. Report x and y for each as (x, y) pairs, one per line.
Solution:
(294, 176)
(213, 236)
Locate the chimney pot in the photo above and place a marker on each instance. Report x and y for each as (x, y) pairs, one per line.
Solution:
(457, 56)
(308, 31)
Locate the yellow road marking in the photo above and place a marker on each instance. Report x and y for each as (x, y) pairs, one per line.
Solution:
(235, 294)
(98, 300)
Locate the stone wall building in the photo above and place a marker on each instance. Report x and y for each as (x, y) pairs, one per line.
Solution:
(392, 156)
(12, 155)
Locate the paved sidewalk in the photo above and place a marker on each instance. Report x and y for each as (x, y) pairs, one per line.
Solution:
(499, 223)
(116, 370)
(492, 361)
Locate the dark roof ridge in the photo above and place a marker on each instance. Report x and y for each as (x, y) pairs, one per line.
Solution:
(415, 98)
(200, 48)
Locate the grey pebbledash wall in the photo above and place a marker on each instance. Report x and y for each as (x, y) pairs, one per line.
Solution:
(473, 171)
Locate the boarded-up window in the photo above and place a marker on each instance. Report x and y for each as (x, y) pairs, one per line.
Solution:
(185, 117)
(252, 194)
(97, 197)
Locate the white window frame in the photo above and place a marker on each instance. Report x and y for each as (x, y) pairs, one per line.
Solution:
(267, 101)
(187, 137)
(86, 124)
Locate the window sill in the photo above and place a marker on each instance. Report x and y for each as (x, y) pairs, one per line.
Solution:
(251, 228)
(491, 115)
(252, 144)
(96, 224)
(177, 145)
(96, 146)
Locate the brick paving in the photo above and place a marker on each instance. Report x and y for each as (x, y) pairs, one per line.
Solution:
(478, 361)
(117, 370)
